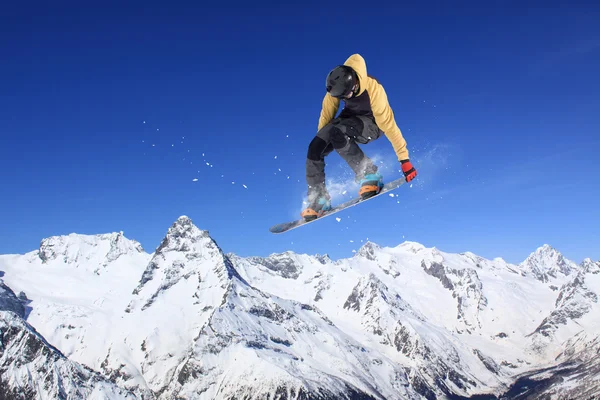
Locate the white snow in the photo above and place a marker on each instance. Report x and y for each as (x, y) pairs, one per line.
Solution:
(105, 302)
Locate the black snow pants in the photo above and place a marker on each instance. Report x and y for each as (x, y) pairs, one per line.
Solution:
(342, 135)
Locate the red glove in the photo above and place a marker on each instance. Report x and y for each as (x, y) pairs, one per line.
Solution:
(409, 171)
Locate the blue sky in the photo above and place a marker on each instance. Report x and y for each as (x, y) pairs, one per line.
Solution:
(109, 112)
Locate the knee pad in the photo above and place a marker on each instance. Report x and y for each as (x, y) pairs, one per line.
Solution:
(316, 148)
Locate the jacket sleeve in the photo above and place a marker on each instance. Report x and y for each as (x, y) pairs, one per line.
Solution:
(330, 107)
(384, 118)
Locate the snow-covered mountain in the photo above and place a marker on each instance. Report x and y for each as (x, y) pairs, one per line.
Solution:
(405, 322)
(31, 368)
(546, 264)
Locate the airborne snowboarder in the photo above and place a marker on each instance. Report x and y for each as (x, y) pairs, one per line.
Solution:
(365, 117)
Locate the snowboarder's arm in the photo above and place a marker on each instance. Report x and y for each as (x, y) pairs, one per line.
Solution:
(330, 107)
(384, 118)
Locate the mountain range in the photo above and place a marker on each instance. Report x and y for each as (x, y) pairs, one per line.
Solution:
(98, 317)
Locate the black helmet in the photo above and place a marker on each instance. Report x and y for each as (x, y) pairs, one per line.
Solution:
(340, 81)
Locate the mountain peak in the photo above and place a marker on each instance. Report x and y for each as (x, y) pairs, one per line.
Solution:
(369, 251)
(181, 235)
(589, 266)
(184, 219)
(182, 225)
(547, 262)
(77, 248)
(413, 247)
(546, 249)
(185, 252)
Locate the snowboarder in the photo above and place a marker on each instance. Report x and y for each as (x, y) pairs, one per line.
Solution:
(365, 117)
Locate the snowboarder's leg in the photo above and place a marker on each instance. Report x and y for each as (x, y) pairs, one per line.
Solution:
(318, 149)
(318, 197)
(361, 130)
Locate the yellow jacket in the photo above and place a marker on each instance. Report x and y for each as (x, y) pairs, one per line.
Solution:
(382, 112)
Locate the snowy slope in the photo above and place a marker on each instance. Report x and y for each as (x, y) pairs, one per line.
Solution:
(189, 321)
(486, 308)
(575, 375)
(75, 284)
(10, 302)
(576, 310)
(257, 345)
(30, 368)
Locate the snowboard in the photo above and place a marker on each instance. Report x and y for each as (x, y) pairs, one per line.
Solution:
(286, 226)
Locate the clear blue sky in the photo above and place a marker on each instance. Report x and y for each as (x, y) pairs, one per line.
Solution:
(109, 111)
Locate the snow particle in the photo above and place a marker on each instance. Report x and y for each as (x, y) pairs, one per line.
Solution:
(195, 180)
(338, 219)
(245, 187)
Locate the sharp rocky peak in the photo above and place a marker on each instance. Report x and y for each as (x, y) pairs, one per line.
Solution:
(590, 267)
(547, 262)
(185, 251)
(369, 251)
(181, 236)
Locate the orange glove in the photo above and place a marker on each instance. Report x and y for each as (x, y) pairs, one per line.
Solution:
(409, 171)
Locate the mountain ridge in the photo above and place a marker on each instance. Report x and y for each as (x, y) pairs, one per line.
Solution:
(430, 324)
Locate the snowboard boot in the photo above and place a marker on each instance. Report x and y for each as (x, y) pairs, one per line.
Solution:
(370, 185)
(319, 201)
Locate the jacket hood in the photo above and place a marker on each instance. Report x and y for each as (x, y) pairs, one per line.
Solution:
(358, 64)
